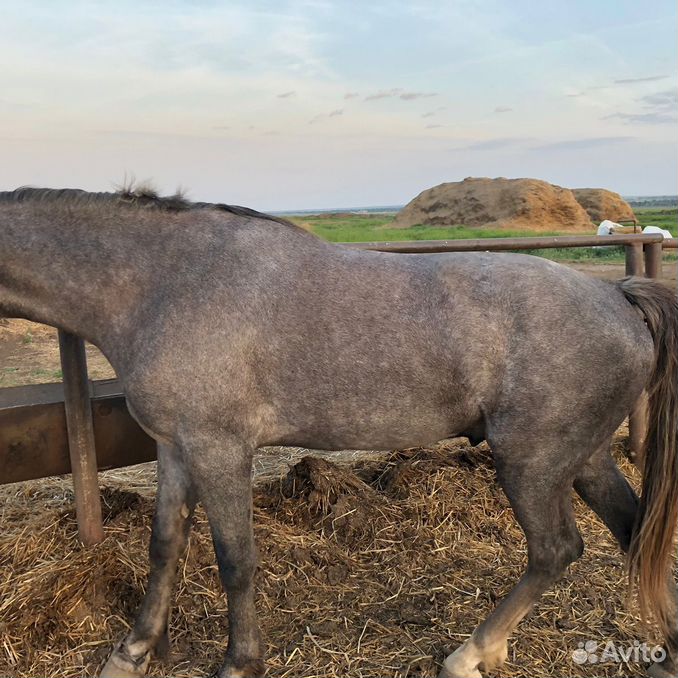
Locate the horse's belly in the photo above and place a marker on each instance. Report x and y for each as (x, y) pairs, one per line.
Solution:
(381, 427)
(363, 440)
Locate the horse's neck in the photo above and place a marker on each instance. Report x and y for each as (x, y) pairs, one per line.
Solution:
(67, 275)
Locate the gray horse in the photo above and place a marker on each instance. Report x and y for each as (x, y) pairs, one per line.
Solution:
(231, 330)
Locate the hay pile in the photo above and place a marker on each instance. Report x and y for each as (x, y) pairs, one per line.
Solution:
(377, 569)
(521, 204)
(600, 204)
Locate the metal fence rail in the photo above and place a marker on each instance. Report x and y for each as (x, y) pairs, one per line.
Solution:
(81, 426)
(509, 244)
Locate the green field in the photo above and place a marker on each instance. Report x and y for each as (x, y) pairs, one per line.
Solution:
(367, 227)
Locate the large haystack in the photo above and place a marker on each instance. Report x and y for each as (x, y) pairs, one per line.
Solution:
(601, 204)
(525, 204)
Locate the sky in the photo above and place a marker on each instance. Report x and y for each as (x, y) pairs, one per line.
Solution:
(297, 104)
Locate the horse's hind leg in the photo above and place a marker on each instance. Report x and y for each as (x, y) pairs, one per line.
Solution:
(175, 502)
(602, 486)
(540, 494)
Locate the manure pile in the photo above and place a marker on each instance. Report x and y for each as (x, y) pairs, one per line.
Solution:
(375, 569)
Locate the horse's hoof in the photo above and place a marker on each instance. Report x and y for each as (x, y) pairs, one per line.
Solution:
(446, 673)
(463, 662)
(448, 670)
(112, 670)
(120, 665)
(254, 669)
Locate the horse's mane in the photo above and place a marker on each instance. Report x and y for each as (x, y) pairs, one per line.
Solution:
(141, 196)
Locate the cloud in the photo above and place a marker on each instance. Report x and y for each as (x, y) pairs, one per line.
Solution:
(430, 114)
(503, 109)
(622, 81)
(324, 116)
(383, 94)
(433, 126)
(632, 81)
(286, 95)
(661, 100)
(351, 95)
(581, 144)
(659, 108)
(411, 96)
(651, 118)
(221, 128)
(398, 92)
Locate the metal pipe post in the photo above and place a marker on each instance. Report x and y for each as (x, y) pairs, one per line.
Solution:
(639, 414)
(653, 259)
(634, 259)
(81, 438)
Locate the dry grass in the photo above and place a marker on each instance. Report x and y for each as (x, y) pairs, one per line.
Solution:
(378, 568)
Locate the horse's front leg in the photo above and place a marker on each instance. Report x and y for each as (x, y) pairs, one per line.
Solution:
(175, 501)
(221, 469)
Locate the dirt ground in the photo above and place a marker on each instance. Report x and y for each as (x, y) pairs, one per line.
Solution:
(616, 271)
(378, 566)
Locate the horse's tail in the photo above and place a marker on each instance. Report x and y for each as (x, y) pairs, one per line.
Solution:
(651, 551)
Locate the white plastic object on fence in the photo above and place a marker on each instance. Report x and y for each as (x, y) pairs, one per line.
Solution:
(656, 229)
